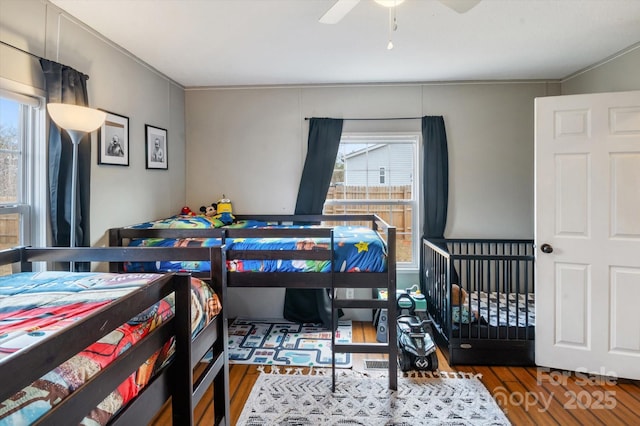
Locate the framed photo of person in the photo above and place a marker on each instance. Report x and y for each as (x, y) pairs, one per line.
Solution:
(113, 140)
(156, 149)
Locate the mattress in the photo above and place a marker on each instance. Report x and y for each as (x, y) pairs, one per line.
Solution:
(356, 248)
(34, 306)
(500, 309)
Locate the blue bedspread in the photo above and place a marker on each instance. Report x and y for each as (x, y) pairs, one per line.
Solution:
(356, 248)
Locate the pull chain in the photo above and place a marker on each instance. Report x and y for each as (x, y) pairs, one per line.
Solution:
(393, 25)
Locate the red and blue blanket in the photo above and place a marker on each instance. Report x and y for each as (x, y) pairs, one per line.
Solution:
(34, 306)
(356, 248)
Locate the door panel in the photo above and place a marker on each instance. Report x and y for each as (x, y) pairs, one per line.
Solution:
(572, 305)
(572, 195)
(587, 204)
(625, 195)
(625, 334)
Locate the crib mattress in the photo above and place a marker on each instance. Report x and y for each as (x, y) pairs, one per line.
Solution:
(35, 306)
(500, 309)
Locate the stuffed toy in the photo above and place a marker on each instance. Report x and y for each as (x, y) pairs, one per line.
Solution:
(458, 295)
(209, 211)
(211, 214)
(224, 211)
(187, 211)
(459, 309)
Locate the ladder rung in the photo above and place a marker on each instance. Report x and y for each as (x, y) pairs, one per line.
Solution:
(361, 303)
(362, 348)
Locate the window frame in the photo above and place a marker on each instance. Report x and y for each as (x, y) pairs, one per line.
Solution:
(414, 138)
(32, 198)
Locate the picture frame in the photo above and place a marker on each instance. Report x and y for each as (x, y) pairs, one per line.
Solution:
(156, 147)
(113, 140)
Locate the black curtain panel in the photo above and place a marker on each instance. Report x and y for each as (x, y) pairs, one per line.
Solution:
(435, 181)
(68, 86)
(435, 176)
(314, 305)
(322, 149)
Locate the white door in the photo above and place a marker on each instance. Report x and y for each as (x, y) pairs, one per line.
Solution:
(587, 201)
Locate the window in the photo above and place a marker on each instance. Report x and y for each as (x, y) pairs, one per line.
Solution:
(22, 171)
(375, 174)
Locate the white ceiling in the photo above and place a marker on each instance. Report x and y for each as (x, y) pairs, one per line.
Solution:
(275, 42)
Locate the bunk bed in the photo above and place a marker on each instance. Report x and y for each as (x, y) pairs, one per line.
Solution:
(481, 298)
(104, 348)
(291, 251)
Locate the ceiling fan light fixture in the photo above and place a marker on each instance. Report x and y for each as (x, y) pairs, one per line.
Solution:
(389, 3)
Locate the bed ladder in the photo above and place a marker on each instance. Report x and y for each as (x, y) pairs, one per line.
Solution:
(390, 347)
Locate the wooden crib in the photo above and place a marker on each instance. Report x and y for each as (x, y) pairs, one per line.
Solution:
(480, 295)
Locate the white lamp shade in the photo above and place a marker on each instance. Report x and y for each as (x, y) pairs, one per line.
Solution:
(389, 3)
(75, 117)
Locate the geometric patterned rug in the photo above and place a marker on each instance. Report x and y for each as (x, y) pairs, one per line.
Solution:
(281, 342)
(286, 399)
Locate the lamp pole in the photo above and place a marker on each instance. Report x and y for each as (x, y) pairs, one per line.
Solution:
(77, 121)
(76, 137)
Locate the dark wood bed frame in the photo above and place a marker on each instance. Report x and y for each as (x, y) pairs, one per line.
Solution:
(333, 280)
(175, 381)
(482, 264)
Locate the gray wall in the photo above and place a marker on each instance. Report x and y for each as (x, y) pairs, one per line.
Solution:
(619, 73)
(250, 143)
(118, 83)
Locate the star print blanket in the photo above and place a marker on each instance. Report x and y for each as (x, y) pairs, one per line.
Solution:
(356, 248)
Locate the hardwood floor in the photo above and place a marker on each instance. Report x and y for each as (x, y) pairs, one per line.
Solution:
(528, 395)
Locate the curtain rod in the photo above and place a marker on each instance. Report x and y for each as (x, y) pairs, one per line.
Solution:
(21, 50)
(29, 53)
(374, 119)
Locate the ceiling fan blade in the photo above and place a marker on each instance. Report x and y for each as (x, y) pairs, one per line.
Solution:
(338, 11)
(460, 6)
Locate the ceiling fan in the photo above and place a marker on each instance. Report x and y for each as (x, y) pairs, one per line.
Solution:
(341, 7)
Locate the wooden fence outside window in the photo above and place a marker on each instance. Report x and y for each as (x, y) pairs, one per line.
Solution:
(398, 215)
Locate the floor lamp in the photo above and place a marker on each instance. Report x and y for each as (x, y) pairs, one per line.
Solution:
(77, 121)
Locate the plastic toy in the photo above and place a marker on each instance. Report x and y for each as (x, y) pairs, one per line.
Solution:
(418, 298)
(416, 348)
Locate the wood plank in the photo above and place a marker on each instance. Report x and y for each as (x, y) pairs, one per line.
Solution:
(537, 402)
(491, 380)
(600, 396)
(163, 418)
(633, 391)
(242, 392)
(530, 403)
(204, 410)
(553, 385)
(443, 364)
(236, 374)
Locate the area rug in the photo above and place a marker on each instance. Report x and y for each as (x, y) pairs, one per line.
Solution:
(279, 342)
(287, 399)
